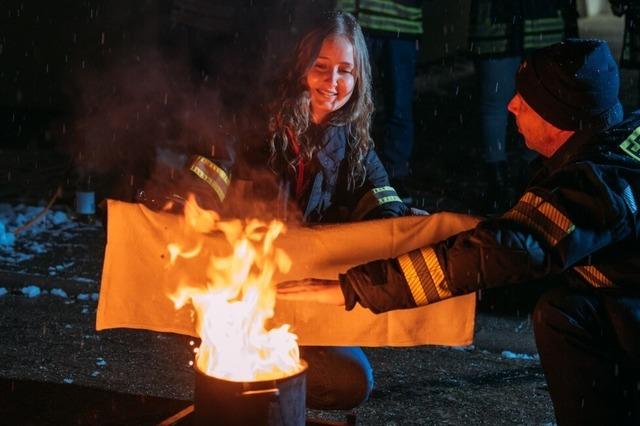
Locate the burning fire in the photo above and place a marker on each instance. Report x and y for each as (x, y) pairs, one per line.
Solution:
(239, 297)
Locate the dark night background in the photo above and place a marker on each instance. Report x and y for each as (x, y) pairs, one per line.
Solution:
(93, 87)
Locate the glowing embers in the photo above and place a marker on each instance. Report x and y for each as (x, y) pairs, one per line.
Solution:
(238, 298)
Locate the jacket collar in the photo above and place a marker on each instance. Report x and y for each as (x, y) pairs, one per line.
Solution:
(573, 147)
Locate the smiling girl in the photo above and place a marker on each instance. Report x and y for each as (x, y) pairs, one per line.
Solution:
(323, 153)
(320, 143)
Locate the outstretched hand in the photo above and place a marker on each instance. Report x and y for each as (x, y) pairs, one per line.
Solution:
(312, 290)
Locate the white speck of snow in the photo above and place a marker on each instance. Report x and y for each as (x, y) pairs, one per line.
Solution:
(83, 280)
(82, 296)
(59, 292)
(31, 291)
(95, 374)
(100, 362)
(67, 326)
(95, 296)
(514, 355)
(68, 380)
(85, 310)
(3, 291)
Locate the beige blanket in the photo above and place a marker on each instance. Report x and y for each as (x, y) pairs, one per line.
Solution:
(136, 281)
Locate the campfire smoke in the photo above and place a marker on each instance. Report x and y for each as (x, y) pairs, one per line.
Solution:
(238, 298)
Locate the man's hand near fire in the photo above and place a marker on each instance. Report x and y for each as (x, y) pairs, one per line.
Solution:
(312, 290)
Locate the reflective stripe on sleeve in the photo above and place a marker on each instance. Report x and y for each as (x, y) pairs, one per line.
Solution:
(593, 276)
(425, 277)
(630, 199)
(387, 23)
(375, 198)
(213, 175)
(541, 216)
(391, 8)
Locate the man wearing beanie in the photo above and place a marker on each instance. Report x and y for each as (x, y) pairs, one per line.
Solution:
(576, 226)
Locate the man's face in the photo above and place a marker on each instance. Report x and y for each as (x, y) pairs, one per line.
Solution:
(539, 135)
(331, 78)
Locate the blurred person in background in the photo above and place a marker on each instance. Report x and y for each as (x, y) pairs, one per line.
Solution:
(392, 29)
(501, 32)
(630, 57)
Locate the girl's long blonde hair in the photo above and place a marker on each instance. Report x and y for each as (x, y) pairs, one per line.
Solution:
(291, 110)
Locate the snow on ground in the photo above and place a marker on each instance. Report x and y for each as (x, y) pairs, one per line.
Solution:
(514, 355)
(56, 224)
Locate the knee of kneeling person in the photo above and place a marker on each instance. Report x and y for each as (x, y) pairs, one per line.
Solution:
(355, 388)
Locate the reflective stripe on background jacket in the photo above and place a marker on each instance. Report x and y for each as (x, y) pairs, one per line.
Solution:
(327, 197)
(514, 27)
(402, 18)
(578, 219)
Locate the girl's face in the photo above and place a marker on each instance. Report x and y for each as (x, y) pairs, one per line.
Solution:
(331, 78)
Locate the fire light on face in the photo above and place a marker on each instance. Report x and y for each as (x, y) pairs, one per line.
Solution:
(237, 300)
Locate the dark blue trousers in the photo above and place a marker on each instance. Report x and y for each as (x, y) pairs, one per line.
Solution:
(589, 345)
(338, 378)
(394, 61)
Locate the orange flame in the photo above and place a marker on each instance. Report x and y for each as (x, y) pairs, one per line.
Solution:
(231, 310)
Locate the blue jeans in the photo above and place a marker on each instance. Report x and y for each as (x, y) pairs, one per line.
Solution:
(395, 62)
(338, 378)
(497, 84)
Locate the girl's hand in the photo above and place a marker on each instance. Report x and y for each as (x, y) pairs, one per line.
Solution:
(313, 290)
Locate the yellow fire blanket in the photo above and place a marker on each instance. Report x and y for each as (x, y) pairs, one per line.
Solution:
(136, 279)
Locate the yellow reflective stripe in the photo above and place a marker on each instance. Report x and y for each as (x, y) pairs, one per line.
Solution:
(374, 198)
(542, 40)
(529, 206)
(389, 24)
(593, 276)
(381, 189)
(544, 24)
(436, 272)
(424, 276)
(631, 145)
(211, 167)
(410, 274)
(213, 175)
(392, 8)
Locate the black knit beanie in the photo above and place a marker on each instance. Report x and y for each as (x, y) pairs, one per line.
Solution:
(573, 85)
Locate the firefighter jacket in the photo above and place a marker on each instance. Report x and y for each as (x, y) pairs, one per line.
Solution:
(631, 41)
(577, 220)
(397, 18)
(323, 192)
(514, 27)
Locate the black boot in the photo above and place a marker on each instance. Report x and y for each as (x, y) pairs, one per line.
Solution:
(500, 194)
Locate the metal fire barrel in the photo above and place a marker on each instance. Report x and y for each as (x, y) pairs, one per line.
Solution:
(279, 402)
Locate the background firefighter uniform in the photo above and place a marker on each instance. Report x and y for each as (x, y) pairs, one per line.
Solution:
(631, 42)
(501, 32)
(515, 27)
(392, 30)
